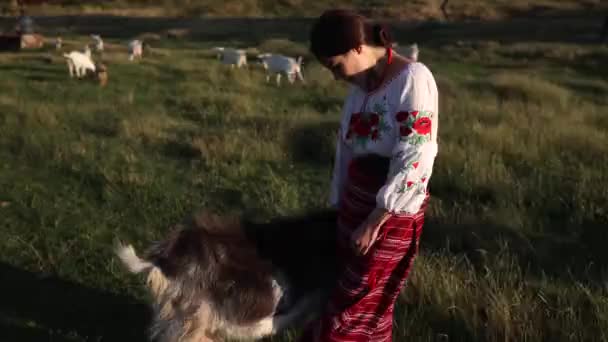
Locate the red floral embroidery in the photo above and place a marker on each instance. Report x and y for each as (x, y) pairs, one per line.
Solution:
(374, 119)
(418, 122)
(422, 126)
(423, 179)
(405, 131)
(362, 129)
(364, 125)
(401, 116)
(409, 183)
(415, 165)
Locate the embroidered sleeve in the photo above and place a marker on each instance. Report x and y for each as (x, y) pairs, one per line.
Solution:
(411, 163)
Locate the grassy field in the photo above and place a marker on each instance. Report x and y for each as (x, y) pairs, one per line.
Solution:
(514, 248)
(412, 9)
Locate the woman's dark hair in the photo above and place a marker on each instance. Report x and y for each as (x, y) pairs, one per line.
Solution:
(338, 31)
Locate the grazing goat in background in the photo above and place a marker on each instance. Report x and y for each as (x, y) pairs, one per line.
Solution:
(32, 41)
(101, 71)
(219, 51)
(87, 51)
(79, 62)
(98, 42)
(136, 48)
(214, 277)
(234, 57)
(278, 64)
(411, 52)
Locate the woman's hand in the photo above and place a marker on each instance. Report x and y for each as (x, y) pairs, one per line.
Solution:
(366, 234)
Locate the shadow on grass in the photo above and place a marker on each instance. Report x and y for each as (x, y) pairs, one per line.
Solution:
(32, 69)
(313, 143)
(180, 150)
(58, 305)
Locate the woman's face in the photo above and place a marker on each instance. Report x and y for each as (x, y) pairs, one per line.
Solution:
(349, 66)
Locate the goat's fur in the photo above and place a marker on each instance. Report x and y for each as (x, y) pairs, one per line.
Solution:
(136, 49)
(32, 41)
(79, 63)
(101, 71)
(215, 277)
(98, 42)
(411, 52)
(278, 65)
(233, 57)
(218, 52)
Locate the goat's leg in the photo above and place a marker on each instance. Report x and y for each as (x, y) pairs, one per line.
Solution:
(71, 69)
(300, 77)
(267, 78)
(278, 79)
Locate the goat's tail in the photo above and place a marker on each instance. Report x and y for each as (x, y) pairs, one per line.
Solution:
(66, 55)
(129, 258)
(299, 60)
(156, 280)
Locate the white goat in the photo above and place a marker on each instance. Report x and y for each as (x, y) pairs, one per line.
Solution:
(135, 49)
(279, 64)
(79, 63)
(219, 51)
(234, 57)
(98, 42)
(87, 51)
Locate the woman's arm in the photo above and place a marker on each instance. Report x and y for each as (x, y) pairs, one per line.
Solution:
(412, 159)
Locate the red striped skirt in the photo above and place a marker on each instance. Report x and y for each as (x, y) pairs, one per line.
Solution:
(361, 306)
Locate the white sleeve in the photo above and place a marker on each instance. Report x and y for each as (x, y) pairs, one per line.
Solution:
(341, 160)
(415, 148)
(343, 157)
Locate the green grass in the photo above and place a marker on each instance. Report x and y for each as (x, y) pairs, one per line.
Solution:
(513, 249)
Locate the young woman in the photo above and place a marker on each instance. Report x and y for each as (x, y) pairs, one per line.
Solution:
(385, 151)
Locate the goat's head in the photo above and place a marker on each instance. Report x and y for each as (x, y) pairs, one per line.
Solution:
(262, 59)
